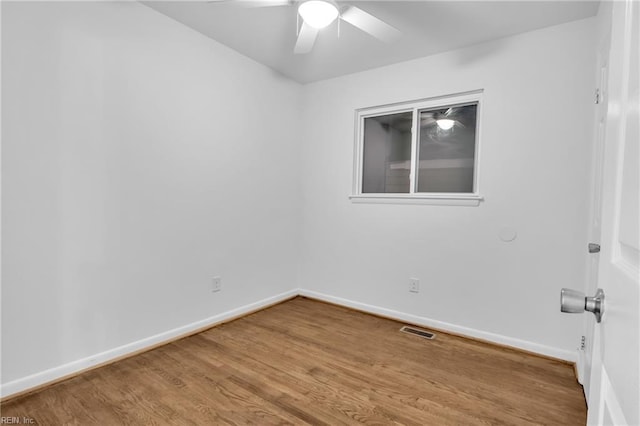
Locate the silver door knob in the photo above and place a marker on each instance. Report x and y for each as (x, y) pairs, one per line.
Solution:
(575, 302)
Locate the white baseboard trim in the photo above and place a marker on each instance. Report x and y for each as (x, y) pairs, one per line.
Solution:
(445, 326)
(580, 366)
(59, 373)
(63, 371)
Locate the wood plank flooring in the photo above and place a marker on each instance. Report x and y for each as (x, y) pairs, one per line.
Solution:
(308, 362)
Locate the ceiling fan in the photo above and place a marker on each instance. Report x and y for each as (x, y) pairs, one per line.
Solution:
(445, 119)
(318, 14)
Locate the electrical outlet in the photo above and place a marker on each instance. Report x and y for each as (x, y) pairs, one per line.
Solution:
(216, 284)
(414, 285)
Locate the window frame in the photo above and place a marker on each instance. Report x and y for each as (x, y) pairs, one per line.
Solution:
(413, 197)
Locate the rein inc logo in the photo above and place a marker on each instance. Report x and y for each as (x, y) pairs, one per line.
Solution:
(17, 420)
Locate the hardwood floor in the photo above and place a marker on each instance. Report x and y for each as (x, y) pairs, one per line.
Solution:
(305, 361)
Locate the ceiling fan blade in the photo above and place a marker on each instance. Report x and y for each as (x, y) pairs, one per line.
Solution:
(370, 24)
(254, 3)
(263, 3)
(426, 121)
(306, 39)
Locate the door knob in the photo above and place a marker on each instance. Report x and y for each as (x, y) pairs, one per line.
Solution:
(575, 302)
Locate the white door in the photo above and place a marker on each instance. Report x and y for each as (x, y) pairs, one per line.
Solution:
(601, 96)
(614, 385)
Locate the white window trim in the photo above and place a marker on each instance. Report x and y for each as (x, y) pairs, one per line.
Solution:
(459, 199)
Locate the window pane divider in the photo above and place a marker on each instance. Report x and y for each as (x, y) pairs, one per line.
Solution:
(413, 176)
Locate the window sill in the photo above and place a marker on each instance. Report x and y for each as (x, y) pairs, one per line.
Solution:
(438, 200)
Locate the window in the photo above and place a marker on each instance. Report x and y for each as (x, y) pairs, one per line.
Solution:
(424, 151)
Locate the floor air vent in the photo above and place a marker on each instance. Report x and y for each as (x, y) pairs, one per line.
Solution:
(416, 331)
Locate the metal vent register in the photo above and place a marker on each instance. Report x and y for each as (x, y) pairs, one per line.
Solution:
(417, 332)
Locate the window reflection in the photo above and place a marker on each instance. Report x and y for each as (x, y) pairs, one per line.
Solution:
(447, 149)
(387, 153)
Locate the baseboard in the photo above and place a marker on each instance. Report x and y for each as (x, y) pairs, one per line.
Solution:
(523, 345)
(580, 366)
(45, 378)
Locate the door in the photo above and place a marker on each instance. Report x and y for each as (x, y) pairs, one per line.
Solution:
(601, 96)
(614, 385)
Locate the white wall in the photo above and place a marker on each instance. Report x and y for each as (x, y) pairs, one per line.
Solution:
(139, 160)
(534, 174)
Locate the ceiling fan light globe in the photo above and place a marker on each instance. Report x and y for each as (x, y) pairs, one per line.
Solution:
(445, 123)
(318, 13)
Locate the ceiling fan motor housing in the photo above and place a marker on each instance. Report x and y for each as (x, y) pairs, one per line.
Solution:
(318, 13)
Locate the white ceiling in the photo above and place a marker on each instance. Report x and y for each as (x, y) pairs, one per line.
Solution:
(268, 34)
